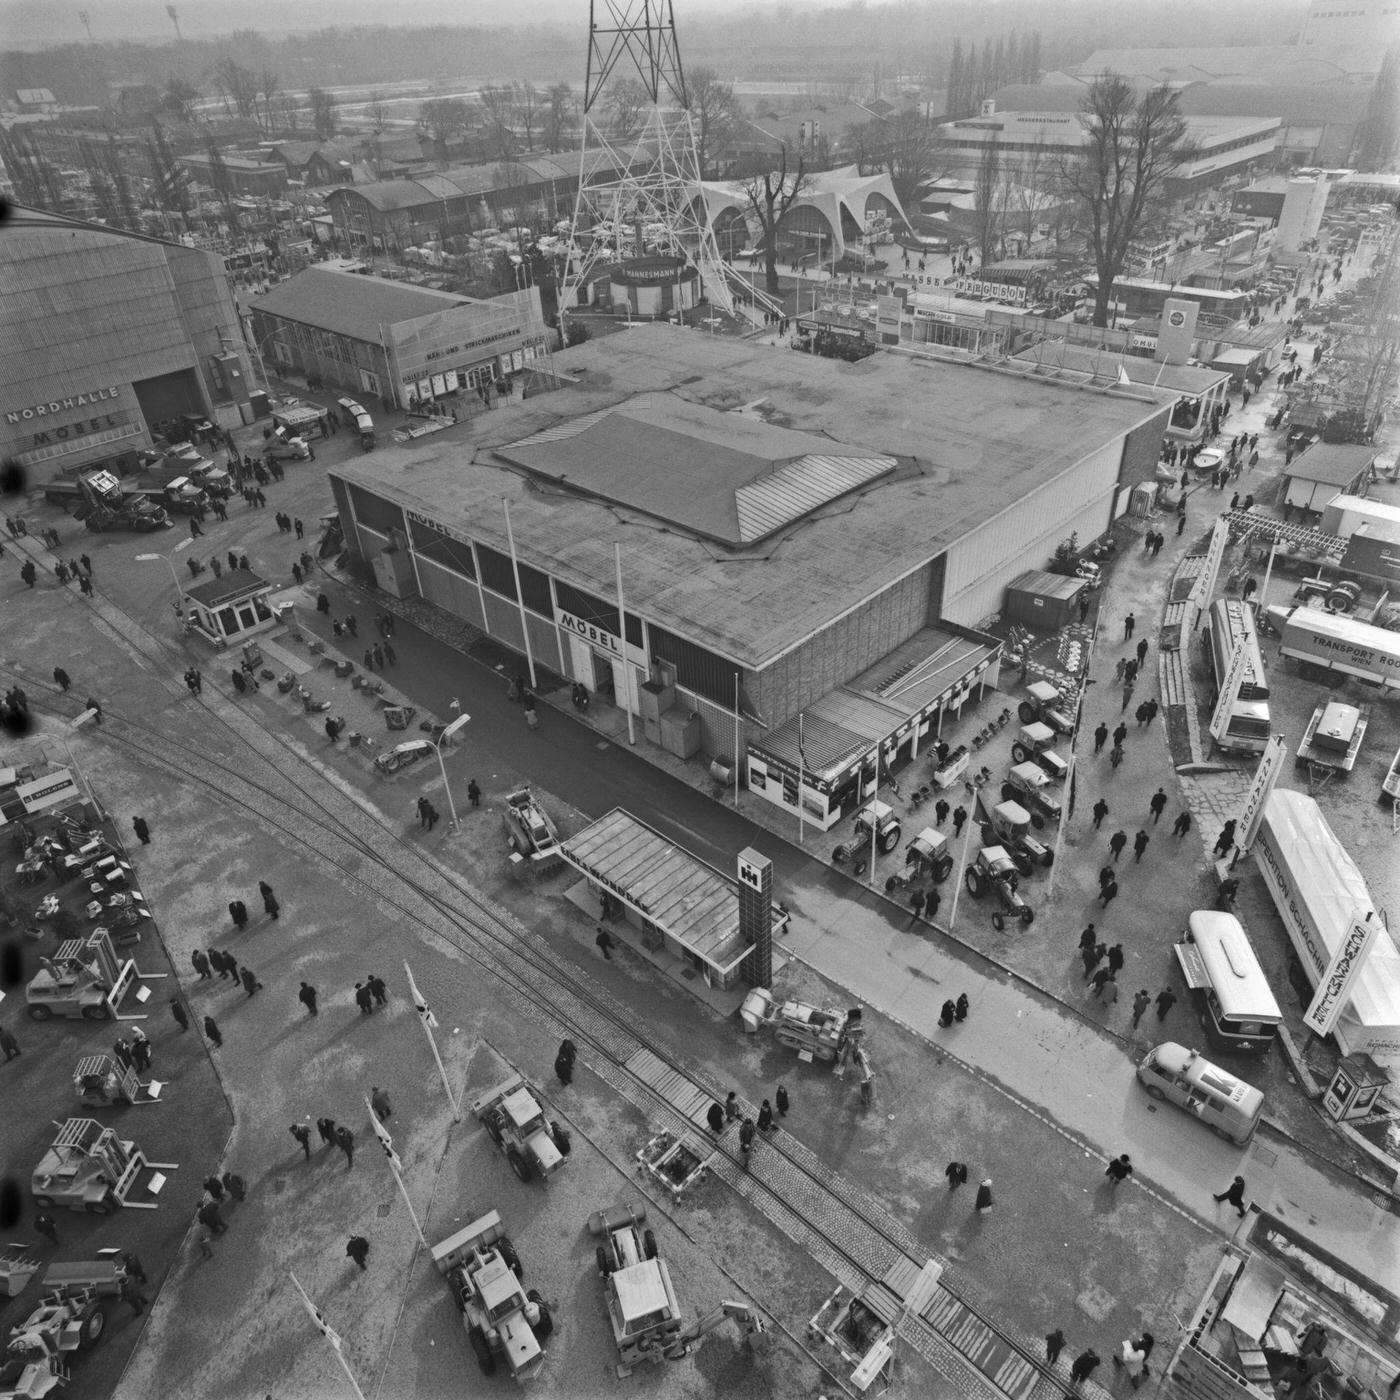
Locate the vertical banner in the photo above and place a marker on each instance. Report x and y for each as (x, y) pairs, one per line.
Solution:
(1205, 580)
(1265, 776)
(1229, 688)
(1335, 984)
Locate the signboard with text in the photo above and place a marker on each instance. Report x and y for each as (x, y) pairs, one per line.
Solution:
(1335, 984)
(1205, 581)
(1265, 776)
(1229, 688)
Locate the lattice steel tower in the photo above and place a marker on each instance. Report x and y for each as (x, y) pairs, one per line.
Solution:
(631, 41)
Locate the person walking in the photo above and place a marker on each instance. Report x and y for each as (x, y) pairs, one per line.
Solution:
(1054, 1345)
(1089, 939)
(238, 912)
(201, 965)
(307, 997)
(956, 1172)
(379, 1101)
(358, 1249)
(303, 1136)
(1139, 846)
(143, 832)
(947, 1014)
(731, 1106)
(326, 1128)
(208, 1215)
(345, 1140)
(781, 1101)
(433, 816)
(177, 1010)
(959, 817)
(1182, 824)
(1115, 959)
(1234, 1194)
(1108, 993)
(1141, 1001)
(270, 905)
(1101, 978)
(9, 1044)
(765, 1117)
(916, 906)
(235, 1186)
(250, 981)
(474, 793)
(377, 989)
(564, 1068)
(1119, 735)
(1084, 1366)
(1226, 839)
(1116, 842)
(1109, 893)
(1129, 623)
(983, 1203)
(211, 1029)
(1100, 812)
(96, 709)
(714, 1117)
(960, 1008)
(1142, 651)
(364, 999)
(230, 966)
(44, 1225)
(940, 811)
(1166, 999)
(1158, 805)
(1100, 735)
(1119, 1170)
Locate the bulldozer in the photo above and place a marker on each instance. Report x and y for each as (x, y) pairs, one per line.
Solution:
(531, 833)
(71, 1315)
(513, 1115)
(641, 1300)
(83, 978)
(816, 1033)
(502, 1321)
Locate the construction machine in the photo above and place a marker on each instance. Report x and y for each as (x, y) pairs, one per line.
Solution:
(101, 502)
(530, 831)
(502, 1321)
(815, 1032)
(83, 978)
(71, 1315)
(88, 1167)
(513, 1114)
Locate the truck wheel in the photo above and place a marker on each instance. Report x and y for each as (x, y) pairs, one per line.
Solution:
(1340, 601)
(998, 922)
(485, 1358)
(92, 1325)
(889, 838)
(518, 1164)
(100, 1012)
(40, 1013)
(943, 869)
(649, 1244)
(1020, 752)
(976, 884)
(44, 1202)
(1027, 915)
(1027, 712)
(1037, 821)
(604, 1262)
(858, 869)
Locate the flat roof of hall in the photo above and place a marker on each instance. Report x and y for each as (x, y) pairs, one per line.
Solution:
(970, 440)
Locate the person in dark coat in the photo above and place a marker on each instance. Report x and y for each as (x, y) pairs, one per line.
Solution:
(307, 997)
(1054, 1345)
(1226, 839)
(474, 793)
(916, 906)
(238, 912)
(211, 1029)
(270, 905)
(1116, 842)
(715, 1118)
(377, 989)
(235, 1186)
(1139, 846)
(143, 832)
(358, 1249)
(1100, 810)
(731, 1106)
(956, 1172)
(1158, 805)
(1119, 1170)
(177, 1010)
(214, 1187)
(765, 1117)
(364, 999)
(1166, 999)
(326, 1128)
(1084, 1366)
(1234, 1194)
(564, 1068)
(250, 981)
(960, 1008)
(959, 817)
(208, 1215)
(1182, 824)
(947, 1015)
(59, 674)
(201, 965)
(230, 965)
(1115, 958)
(782, 1101)
(345, 1140)
(983, 1203)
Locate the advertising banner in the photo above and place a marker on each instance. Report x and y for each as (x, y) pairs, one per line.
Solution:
(1265, 776)
(1228, 690)
(1335, 985)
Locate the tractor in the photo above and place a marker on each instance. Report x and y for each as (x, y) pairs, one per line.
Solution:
(1008, 824)
(1036, 744)
(502, 1321)
(1028, 784)
(994, 870)
(513, 1115)
(1046, 704)
(928, 854)
(882, 818)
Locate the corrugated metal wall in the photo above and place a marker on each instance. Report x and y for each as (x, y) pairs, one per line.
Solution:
(1025, 535)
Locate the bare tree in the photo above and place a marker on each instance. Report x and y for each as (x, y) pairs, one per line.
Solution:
(444, 117)
(1131, 147)
(528, 111)
(498, 103)
(628, 99)
(868, 145)
(377, 110)
(714, 114)
(322, 105)
(238, 86)
(988, 200)
(268, 88)
(559, 115)
(911, 155)
(179, 99)
(769, 196)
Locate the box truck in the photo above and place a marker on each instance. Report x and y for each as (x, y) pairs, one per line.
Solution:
(1326, 645)
(1318, 890)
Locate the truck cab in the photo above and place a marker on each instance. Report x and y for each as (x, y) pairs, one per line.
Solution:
(184, 496)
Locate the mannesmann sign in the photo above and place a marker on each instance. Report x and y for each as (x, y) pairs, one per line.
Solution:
(64, 405)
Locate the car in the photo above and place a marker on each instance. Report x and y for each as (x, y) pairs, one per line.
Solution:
(294, 449)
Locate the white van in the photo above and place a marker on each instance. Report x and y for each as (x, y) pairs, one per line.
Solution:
(1227, 1106)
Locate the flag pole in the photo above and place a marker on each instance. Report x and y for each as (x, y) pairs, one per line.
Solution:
(428, 1021)
(387, 1143)
(330, 1335)
(801, 778)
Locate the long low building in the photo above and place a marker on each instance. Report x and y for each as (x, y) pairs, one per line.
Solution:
(779, 526)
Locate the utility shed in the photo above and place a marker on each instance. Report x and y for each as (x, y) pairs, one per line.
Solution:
(1316, 476)
(678, 901)
(1043, 600)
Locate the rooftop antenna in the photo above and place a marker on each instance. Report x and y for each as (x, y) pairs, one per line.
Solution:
(648, 176)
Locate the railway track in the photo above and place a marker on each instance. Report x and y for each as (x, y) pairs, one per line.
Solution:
(279, 787)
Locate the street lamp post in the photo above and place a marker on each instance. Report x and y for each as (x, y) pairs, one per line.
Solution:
(419, 744)
(170, 564)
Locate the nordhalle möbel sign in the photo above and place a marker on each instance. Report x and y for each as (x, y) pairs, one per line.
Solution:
(40, 413)
(56, 406)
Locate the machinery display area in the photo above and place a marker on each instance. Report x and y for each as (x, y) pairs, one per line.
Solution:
(83, 978)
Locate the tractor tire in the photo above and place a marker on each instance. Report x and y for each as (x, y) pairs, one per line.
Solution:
(604, 1262)
(859, 868)
(507, 1252)
(976, 882)
(943, 869)
(105, 1206)
(91, 1325)
(391, 765)
(895, 882)
(1021, 753)
(39, 1012)
(493, 1129)
(1037, 821)
(518, 1164)
(840, 855)
(1027, 914)
(485, 1357)
(43, 1202)
(100, 1012)
(998, 921)
(1047, 860)
(562, 1140)
(1022, 862)
(1008, 793)
(1028, 712)
(889, 839)
(649, 1244)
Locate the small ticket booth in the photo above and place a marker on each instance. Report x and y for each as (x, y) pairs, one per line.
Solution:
(230, 609)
